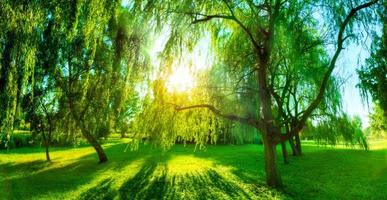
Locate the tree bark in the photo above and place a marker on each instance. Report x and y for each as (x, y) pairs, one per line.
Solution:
(46, 145)
(98, 148)
(48, 159)
(273, 178)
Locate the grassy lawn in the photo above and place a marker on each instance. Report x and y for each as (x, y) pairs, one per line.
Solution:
(219, 172)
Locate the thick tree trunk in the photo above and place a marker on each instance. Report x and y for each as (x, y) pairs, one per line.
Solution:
(284, 153)
(90, 138)
(273, 178)
(98, 148)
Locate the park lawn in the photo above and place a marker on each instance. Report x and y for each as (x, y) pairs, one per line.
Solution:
(218, 172)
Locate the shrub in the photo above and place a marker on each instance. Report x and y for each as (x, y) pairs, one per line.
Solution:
(16, 140)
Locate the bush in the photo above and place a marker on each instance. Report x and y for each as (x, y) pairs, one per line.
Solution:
(16, 140)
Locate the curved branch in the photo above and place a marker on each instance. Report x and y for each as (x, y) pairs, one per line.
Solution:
(248, 121)
(230, 17)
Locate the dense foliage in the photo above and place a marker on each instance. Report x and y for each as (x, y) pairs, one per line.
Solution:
(373, 75)
(87, 68)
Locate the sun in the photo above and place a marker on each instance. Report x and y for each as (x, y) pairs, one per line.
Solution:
(180, 80)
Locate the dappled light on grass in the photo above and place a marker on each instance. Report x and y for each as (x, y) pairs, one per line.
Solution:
(180, 173)
(219, 172)
(182, 165)
(34, 163)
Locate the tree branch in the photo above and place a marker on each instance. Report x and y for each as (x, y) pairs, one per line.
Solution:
(209, 17)
(206, 18)
(340, 39)
(248, 121)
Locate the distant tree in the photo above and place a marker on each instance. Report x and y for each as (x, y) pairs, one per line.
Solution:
(337, 129)
(378, 122)
(43, 120)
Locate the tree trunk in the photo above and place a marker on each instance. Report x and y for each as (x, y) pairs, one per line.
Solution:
(294, 148)
(298, 144)
(46, 145)
(47, 152)
(273, 178)
(284, 153)
(98, 148)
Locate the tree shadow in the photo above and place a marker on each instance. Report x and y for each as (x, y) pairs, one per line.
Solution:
(30, 180)
(10, 170)
(207, 185)
(146, 184)
(154, 182)
(320, 171)
(102, 191)
(323, 172)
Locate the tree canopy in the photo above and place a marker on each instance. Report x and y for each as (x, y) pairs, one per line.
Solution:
(88, 68)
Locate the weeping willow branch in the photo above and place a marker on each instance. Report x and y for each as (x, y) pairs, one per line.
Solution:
(205, 18)
(340, 40)
(248, 121)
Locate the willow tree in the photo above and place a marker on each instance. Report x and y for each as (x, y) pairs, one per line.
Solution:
(95, 58)
(88, 53)
(18, 38)
(259, 27)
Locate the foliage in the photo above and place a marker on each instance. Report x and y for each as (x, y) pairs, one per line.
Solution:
(378, 123)
(299, 82)
(85, 68)
(16, 140)
(373, 75)
(337, 129)
(56, 57)
(167, 127)
(18, 34)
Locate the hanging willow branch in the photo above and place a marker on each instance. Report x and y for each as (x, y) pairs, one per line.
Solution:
(340, 40)
(244, 120)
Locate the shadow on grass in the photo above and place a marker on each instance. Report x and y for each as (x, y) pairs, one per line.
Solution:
(102, 190)
(319, 173)
(38, 179)
(153, 182)
(146, 184)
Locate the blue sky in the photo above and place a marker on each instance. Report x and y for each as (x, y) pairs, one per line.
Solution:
(352, 57)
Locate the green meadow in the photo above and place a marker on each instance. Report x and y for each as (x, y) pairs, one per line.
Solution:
(217, 172)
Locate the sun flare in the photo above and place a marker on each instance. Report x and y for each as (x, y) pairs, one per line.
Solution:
(180, 80)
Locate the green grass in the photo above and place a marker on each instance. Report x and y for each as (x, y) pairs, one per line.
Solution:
(219, 172)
